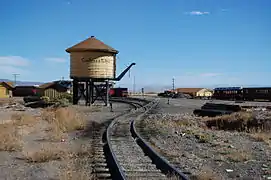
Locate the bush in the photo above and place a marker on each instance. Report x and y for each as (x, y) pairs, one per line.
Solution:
(66, 96)
(46, 99)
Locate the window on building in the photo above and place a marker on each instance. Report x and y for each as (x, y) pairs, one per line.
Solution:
(7, 91)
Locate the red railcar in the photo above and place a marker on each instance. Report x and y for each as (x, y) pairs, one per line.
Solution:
(118, 92)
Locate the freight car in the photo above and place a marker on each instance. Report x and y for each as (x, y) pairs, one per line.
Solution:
(240, 93)
(118, 92)
(23, 91)
(228, 93)
(259, 93)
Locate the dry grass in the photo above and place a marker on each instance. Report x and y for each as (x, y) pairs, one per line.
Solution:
(239, 156)
(19, 119)
(71, 174)
(83, 151)
(65, 119)
(10, 140)
(206, 174)
(46, 154)
(262, 136)
(61, 121)
(74, 171)
(241, 121)
(157, 126)
(10, 136)
(78, 167)
(4, 101)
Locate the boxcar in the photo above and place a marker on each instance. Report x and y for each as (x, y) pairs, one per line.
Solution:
(257, 93)
(23, 91)
(119, 92)
(228, 93)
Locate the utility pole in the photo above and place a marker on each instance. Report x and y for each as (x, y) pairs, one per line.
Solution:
(15, 78)
(134, 86)
(173, 84)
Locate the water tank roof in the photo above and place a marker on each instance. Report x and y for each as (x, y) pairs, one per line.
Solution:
(91, 44)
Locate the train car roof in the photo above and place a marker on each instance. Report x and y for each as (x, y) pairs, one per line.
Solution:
(227, 88)
(257, 88)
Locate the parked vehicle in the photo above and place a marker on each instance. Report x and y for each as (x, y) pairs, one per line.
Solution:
(166, 94)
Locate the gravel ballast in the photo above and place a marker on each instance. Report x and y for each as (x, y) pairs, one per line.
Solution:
(204, 153)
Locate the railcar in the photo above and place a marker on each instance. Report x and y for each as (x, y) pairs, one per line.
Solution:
(23, 91)
(228, 93)
(245, 94)
(118, 92)
(257, 93)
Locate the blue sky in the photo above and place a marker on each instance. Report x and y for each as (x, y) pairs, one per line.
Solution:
(198, 42)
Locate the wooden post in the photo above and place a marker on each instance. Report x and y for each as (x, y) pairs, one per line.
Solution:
(87, 92)
(107, 93)
(75, 92)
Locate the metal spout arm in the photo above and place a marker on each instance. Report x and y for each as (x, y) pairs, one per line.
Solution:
(123, 73)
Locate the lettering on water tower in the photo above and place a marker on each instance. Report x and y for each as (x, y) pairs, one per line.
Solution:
(102, 66)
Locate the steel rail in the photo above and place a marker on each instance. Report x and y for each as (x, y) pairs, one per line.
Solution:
(116, 170)
(157, 159)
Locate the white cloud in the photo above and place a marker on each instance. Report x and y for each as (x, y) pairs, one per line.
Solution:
(13, 61)
(224, 10)
(210, 74)
(55, 60)
(13, 64)
(198, 13)
(9, 70)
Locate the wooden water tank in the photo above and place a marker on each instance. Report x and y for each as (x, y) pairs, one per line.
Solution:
(92, 58)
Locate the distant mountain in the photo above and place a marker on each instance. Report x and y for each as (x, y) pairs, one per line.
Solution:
(23, 83)
(148, 88)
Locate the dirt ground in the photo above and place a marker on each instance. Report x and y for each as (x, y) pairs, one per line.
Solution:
(234, 147)
(48, 143)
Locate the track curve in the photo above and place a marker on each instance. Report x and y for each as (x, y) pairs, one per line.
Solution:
(122, 153)
(131, 156)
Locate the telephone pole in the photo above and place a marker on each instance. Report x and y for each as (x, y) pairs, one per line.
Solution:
(173, 84)
(134, 86)
(15, 78)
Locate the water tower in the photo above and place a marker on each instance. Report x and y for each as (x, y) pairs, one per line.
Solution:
(92, 66)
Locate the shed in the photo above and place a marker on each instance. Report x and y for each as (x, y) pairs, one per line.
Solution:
(196, 92)
(190, 91)
(6, 89)
(56, 88)
(204, 93)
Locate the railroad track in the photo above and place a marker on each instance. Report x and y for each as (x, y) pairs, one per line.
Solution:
(100, 153)
(130, 156)
(119, 152)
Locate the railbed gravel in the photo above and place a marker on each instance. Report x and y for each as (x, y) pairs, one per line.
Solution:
(204, 153)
